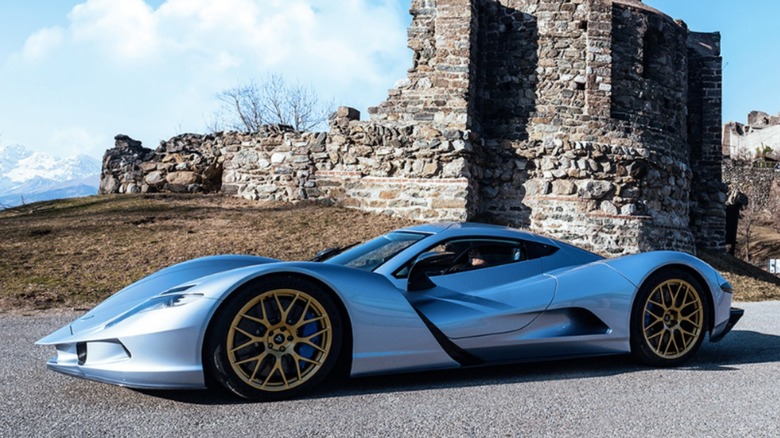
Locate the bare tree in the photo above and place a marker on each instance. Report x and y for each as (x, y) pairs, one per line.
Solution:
(751, 217)
(773, 204)
(273, 101)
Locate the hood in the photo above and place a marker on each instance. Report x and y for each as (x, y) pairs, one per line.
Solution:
(187, 273)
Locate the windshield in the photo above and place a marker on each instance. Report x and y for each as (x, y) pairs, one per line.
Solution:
(374, 253)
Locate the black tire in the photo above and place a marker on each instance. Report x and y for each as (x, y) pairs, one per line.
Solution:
(274, 338)
(668, 319)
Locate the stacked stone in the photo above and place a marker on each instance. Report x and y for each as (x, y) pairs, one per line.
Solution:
(438, 84)
(188, 163)
(375, 149)
(708, 192)
(757, 183)
(416, 171)
(122, 171)
(275, 163)
(760, 119)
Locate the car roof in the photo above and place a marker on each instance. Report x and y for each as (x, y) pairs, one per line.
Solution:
(455, 229)
(438, 227)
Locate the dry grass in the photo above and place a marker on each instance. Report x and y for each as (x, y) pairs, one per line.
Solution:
(76, 252)
(750, 283)
(765, 243)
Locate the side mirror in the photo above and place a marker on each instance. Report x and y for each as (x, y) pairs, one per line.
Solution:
(330, 252)
(324, 254)
(433, 263)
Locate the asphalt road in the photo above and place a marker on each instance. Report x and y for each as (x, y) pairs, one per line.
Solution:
(731, 388)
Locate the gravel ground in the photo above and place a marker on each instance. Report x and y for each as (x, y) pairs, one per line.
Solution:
(731, 388)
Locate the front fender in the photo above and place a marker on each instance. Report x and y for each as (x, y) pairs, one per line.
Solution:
(192, 271)
(387, 334)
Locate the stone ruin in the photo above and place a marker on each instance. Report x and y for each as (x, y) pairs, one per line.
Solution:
(594, 121)
(749, 168)
(741, 142)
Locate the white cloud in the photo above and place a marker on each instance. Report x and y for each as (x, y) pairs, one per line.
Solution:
(266, 35)
(123, 28)
(210, 15)
(125, 66)
(42, 42)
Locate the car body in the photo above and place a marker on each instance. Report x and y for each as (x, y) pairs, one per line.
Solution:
(414, 299)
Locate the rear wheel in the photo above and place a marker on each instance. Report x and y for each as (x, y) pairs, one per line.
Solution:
(275, 338)
(668, 318)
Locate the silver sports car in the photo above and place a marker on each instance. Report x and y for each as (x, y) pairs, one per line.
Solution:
(420, 298)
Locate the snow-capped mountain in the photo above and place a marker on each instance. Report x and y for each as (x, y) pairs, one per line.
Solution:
(27, 176)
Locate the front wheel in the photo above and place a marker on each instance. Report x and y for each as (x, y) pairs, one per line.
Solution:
(274, 338)
(668, 318)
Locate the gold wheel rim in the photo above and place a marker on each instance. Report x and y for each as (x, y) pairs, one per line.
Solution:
(279, 340)
(673, 319)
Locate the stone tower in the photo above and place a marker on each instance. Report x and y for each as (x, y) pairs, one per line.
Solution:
(594, 121)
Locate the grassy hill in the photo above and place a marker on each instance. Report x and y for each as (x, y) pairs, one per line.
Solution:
(76, 252)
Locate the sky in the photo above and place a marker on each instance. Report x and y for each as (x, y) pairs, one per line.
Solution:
(74, 73)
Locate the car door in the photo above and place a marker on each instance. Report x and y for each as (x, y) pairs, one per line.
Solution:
(503, 294)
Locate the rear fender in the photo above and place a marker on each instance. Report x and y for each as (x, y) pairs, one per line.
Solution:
(639, 267)
(602, 291)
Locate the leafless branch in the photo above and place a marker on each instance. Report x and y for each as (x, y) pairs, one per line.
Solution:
(273, 101)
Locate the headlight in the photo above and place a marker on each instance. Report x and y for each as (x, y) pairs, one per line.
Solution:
(165, 301)
(726, 287)
(169, 298)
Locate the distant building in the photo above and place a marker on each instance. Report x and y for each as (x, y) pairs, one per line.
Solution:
(742, 141)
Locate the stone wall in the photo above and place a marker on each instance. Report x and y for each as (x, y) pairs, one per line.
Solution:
(595, 121)
(758, 184)
(413, 171)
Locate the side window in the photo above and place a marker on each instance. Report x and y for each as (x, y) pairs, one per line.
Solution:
(471, 254)
(484, 254)
(535, 250)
